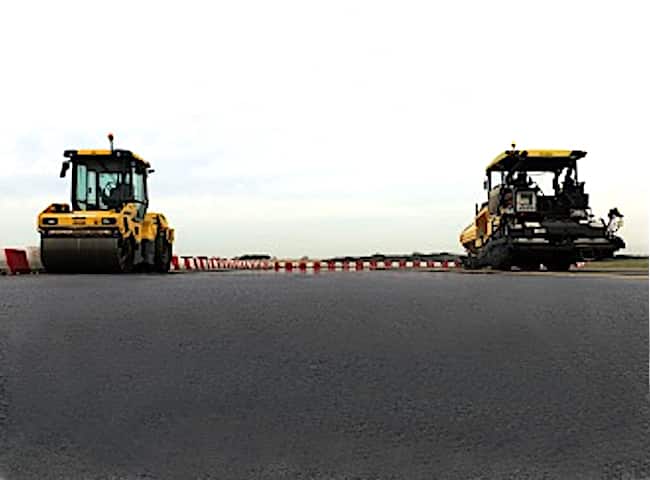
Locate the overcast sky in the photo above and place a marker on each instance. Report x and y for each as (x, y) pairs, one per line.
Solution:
(322, 128)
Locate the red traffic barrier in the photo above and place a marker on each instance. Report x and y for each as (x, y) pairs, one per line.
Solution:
(188, 263)
(202, 263)
(16, 260)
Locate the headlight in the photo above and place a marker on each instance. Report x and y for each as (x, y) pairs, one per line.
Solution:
(109, 221)
(50, 221)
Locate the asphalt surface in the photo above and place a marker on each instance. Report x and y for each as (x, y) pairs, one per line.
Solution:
(332, 376)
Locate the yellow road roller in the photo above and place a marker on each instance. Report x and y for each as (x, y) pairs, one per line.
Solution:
(106, 228)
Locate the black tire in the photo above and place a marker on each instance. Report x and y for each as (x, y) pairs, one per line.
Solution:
(470, 263)
(163, 258)
(529, 267)
(126, 255)
(498, 257)
(559, 266)
(504, 264)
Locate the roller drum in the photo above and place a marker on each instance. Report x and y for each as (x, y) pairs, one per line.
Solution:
(85, 255)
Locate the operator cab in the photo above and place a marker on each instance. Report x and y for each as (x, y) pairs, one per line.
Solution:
(107, 179)
(536, 182)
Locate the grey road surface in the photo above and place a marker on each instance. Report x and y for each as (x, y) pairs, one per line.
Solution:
(371, 375)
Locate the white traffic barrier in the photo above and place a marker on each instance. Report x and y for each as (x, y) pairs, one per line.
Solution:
(4, 265)
(34, 259)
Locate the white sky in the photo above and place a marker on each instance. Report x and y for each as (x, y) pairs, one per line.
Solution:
(322, 128)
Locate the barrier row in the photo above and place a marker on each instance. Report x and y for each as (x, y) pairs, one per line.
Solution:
(28, 260)
(360, 265)
(15, 261)
(214, 263)
(186, 262)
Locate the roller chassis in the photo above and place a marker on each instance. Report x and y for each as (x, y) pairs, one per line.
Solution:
(107, 250)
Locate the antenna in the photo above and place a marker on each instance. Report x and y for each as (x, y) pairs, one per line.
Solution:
(110, 139)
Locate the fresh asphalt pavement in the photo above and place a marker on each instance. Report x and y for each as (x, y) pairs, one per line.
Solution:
(331, 376)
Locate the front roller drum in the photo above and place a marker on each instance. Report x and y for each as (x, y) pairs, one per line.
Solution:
(87, 255)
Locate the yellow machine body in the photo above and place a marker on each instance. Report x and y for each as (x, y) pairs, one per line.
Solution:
(99, 222)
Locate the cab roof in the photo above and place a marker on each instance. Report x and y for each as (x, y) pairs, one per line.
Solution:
(117, 153)
(534, 160)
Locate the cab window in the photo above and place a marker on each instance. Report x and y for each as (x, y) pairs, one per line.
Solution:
(82, 187)
(139, 191)
(91, 195)
(108, 183)
(138, 187)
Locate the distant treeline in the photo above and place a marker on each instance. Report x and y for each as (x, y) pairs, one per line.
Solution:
(439, 257)
(254, 256)
(415, 256)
